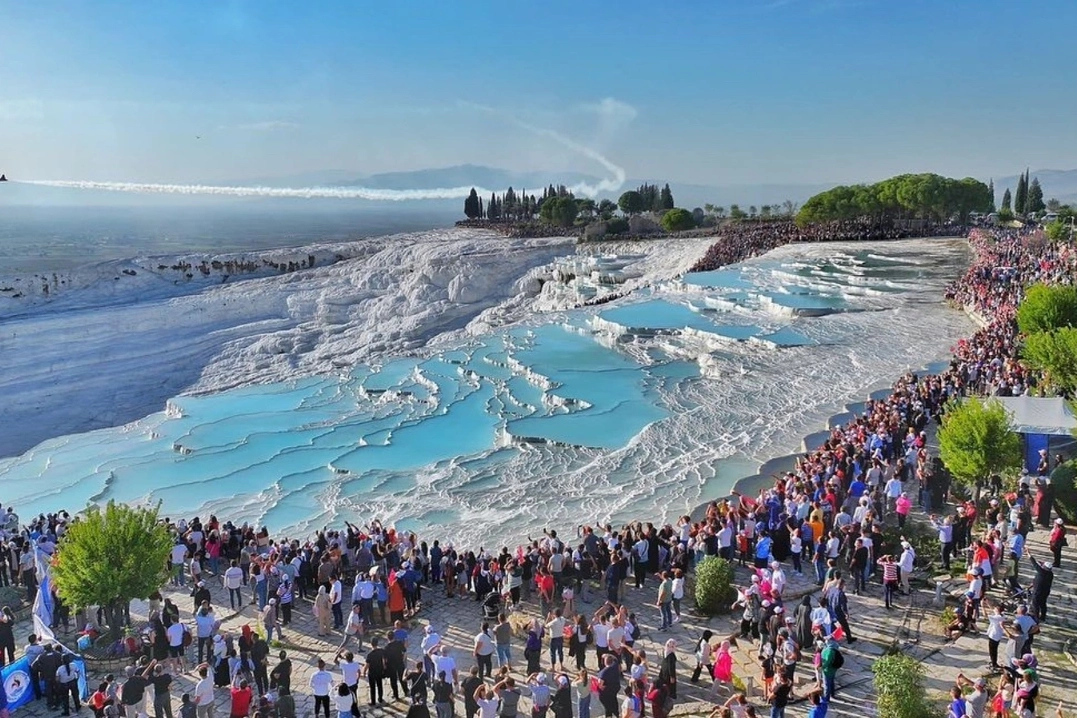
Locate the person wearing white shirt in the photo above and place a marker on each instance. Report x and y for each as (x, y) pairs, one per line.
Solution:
(777, 578)
(203, 694)
(893, 491)
(350, 669)
(179, 560)
(336, 598)
(484, 651)
(175, 646)
(321, 682)
(905, 564)
(445, 663)
(233, 581)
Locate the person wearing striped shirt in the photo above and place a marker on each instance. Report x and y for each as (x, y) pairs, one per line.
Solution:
(890, 579)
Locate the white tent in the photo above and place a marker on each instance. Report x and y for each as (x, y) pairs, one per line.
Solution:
(1035, 415)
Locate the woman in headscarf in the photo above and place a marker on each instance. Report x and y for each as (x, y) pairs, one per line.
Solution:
(704, 656)
(323, 611)
(667, 672)
(803, 622)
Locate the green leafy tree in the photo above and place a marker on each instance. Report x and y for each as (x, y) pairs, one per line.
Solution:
(921, 196)
(559, 211)
(471, 205)
(109, 557)
(677, 220)
(631, 202)
(606, 208)
(1007, 200)
(1035, 197)
(1047, 307)
(899, 687)
(715, 590)
(752, 212)
(1053, 205)
(991, 189)
(975, 440)
(1055, 354)
(735, 212)
(1005, 216)
(1058, 231)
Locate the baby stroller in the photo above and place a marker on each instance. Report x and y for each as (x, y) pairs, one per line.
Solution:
(491, 606)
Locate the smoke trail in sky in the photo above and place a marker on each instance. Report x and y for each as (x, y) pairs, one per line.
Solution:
(610, 184)
(389, 195)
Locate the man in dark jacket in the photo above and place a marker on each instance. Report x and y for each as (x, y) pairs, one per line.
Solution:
(1041, 586)
(395, 663)
(46, 666)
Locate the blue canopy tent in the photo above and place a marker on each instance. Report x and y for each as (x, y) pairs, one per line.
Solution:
(1044, 423)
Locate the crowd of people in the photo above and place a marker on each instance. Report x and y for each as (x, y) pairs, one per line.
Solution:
(743, 240)
(837, 518)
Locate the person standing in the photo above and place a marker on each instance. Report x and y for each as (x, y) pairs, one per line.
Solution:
(503, 641)
(203, 693)
(665, 600)
(831, 661)
(470, 687)
(890, 580)
(1057, 542)
(321, 682)
(67, 683)
(376, 670)
(281, 675)
(323, 610)
(162, 696)
(484, 653)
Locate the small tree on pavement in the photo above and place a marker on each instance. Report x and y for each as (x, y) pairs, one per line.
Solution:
(975, 441)
(109, 557)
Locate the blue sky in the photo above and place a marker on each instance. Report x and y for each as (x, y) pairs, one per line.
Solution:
(719, 92)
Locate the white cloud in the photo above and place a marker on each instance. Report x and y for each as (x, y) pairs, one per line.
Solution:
(268, 126)
(611, 110)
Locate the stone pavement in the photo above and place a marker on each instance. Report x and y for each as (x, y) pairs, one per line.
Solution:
(913, 628)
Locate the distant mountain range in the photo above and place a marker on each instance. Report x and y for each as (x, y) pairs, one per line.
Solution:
(1060, 184)
(1057, 184)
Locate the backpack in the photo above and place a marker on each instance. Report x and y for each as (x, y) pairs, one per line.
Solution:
(839, 660)
(635, 632)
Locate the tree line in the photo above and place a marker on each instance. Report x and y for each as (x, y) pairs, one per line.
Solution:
(1028, 198)
(910, 196)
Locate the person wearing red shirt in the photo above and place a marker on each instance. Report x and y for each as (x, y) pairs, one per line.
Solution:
(241, 699)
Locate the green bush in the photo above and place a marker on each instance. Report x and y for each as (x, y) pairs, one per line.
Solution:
(899, 685)
(617, 225)
(1064, 484)
(715, 590)
(676, 220)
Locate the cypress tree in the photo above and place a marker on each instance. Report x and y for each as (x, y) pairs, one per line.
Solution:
(991, 189)
(1020, 196)
(667, 197)
(1007, 200)
(1035, 197)
(471, 205)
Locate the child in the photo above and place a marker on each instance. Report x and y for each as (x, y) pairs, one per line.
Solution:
(766, 663)
(569, 597)
(187, 709)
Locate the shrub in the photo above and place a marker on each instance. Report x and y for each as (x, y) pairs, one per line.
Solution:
(714, 586)
(617, 225)
(1064, 483)
(899, 685)
(676, 220)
